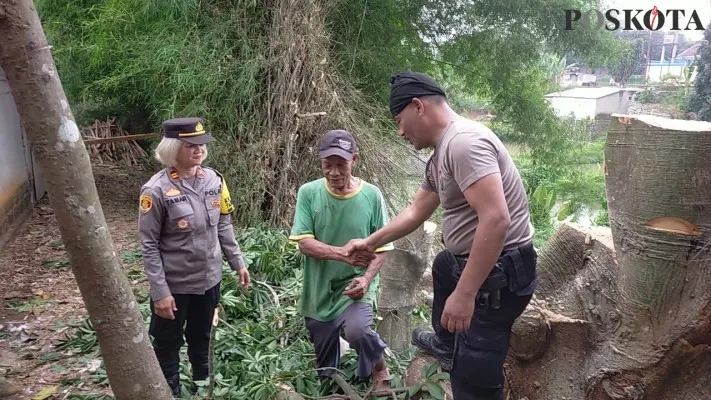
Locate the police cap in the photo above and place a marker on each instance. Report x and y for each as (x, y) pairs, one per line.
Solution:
(191, 130)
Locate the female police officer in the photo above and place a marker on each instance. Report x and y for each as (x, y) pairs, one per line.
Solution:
(185, 227)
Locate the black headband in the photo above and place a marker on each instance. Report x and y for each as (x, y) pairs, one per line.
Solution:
(407, 85)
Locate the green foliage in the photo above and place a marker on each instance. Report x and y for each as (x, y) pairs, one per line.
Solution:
(431, 382)
(149, 60)
(604, 218)
(146, 61)
(131, 256)
(700, 99)
(261, 340)
(541, 203)
(630, 61)
(374, 39)
(648, 95)
(26, 306)
(578, 188)
(56, 264)
(654, 41)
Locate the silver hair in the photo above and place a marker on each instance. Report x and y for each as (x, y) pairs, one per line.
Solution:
(167, 151)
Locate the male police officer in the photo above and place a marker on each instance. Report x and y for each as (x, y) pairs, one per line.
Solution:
(185, 227)
(486, 276)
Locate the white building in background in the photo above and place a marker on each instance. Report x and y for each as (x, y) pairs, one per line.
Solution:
(675, 66)
(589, 102)
(21, 182)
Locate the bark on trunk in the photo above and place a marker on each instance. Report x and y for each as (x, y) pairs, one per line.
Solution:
(399, 281)
(25, 56)
(626, 313)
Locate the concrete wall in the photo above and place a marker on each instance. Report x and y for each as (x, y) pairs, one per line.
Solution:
(656, 71)
(615, 103)
(20, 181)
(580, 107)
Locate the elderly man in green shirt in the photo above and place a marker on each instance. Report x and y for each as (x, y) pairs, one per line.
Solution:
(340, 291)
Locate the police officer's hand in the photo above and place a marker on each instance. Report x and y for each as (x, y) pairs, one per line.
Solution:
(165, 307)
(244, 278)
(357, 288)
(356, 245)
(355, 258)
(458, 312)
(360, 256)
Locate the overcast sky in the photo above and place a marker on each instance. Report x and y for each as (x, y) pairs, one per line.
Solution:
(702, 7)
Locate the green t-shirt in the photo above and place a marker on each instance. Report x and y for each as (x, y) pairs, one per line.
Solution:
(335, 220)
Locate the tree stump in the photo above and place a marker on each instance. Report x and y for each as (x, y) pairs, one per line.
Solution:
(625, 312)
(399, 280)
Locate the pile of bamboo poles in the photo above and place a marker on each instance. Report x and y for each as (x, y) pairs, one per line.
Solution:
(109, 143)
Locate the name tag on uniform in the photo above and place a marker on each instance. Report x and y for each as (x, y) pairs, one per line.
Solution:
(176, 200)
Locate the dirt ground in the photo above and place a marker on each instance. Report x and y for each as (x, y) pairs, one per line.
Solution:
(40, 299)
(40, 304)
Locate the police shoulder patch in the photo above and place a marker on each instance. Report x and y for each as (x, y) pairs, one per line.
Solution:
(146, 203)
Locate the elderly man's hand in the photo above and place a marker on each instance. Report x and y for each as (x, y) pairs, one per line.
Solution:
(357, 288)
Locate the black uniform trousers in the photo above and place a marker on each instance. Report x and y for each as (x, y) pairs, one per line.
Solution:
(479, 352)
(194, 320)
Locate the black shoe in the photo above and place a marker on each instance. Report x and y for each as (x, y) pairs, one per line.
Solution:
(428, 342)
(174, 383)
(199, 374)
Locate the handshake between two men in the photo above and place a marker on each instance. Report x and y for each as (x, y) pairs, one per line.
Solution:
(359, 253)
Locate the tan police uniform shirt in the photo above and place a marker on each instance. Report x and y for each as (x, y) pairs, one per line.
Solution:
(467, 152)
(184, 231)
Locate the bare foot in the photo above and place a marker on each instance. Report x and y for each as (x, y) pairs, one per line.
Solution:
(381, 377)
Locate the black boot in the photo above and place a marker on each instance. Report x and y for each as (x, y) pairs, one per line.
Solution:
(429, 342)
(169, 360)
(201, 372)
(174, 383)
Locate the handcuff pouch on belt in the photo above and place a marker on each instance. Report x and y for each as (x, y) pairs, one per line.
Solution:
(514, 270)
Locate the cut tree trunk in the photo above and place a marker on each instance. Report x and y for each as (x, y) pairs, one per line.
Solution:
(399, 281)
(131, 365)
(625, 312)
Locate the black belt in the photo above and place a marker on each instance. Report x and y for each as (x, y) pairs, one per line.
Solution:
(515, 269)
